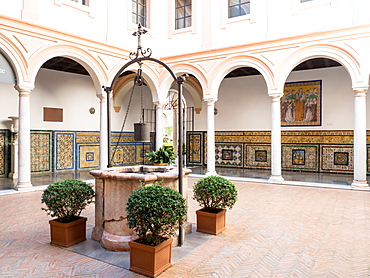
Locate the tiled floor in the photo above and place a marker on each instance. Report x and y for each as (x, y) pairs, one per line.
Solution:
(272, 231)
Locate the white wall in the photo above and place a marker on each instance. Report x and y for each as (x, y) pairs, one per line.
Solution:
(134, 114)
(9, 104)
(109, 21)
(73, 92)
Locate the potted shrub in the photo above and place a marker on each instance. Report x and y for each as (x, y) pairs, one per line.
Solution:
(65, 200)
(163, 156)
(155, 212)
(214, 194)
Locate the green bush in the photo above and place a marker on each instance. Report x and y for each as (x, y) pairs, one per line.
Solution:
(214, 193)
(165, 154)
(155, 212)
(66, 199)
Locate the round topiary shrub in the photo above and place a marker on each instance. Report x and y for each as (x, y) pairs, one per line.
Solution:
(155, 212)
(66, 199)
(214, 193)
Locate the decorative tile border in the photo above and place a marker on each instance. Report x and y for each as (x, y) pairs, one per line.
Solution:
(41, 151)
(300, 157)
(230, 155)
(336, 158)
(257, 156)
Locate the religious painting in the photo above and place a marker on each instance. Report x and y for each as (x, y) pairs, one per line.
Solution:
(301, 104)
(298, 157)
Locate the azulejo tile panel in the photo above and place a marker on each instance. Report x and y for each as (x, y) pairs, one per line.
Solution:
(230, 155)
(257, 156)
(300, 157)
(41, 151)
(141, 149)
(130, 153)
(88, 156)
(195, 149)
(64, 150)
(87, 146)
(337, 158)
(4, 152)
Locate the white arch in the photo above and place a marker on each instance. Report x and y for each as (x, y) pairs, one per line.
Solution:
(150, 75)
(167, 80)
(221, 70)
(14, 57)
(346, 57)
(92, 65)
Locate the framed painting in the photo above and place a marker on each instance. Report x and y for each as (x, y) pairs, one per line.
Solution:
(301, 104)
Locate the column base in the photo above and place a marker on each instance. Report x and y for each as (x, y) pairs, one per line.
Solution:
(360, 183)
(24, 186)
(211, 173)
(276, 179)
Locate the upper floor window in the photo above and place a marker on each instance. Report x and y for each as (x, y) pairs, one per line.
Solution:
(83, 2)
(183, 14)
(238, 8)
(139, 12)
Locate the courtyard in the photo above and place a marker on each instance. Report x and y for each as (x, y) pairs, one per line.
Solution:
(272, 231)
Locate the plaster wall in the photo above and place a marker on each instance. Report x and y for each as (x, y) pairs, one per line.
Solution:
(110, 21)
(72, 92)
(11, 8)
(134, 113)
(9, 104)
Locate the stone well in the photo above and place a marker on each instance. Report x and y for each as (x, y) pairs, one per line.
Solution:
(113, 187)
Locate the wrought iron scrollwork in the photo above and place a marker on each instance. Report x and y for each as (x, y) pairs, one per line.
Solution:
(140, 51)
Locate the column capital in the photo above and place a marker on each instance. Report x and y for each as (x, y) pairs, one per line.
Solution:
(159, 104)
(24, 89)
(210, 101)
(275, 96)
(360, 91)
(102, 96)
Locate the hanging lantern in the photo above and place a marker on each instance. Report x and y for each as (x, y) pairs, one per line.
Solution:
(141, 132)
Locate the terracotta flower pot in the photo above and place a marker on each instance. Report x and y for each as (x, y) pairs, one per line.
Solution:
(160, 164)
(150, 260)
(210, 222)
(68, 234)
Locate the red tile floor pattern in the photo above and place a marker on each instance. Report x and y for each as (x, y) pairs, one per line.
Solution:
(272, 231)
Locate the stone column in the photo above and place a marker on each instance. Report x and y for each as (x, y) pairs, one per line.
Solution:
(24, 151)
(103, 156)
(211, 160)
(276, 176)
(159, 125)
(360, 138)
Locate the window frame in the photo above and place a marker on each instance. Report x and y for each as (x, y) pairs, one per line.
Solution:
(239, 5)
(184, 16)
(136, 13)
